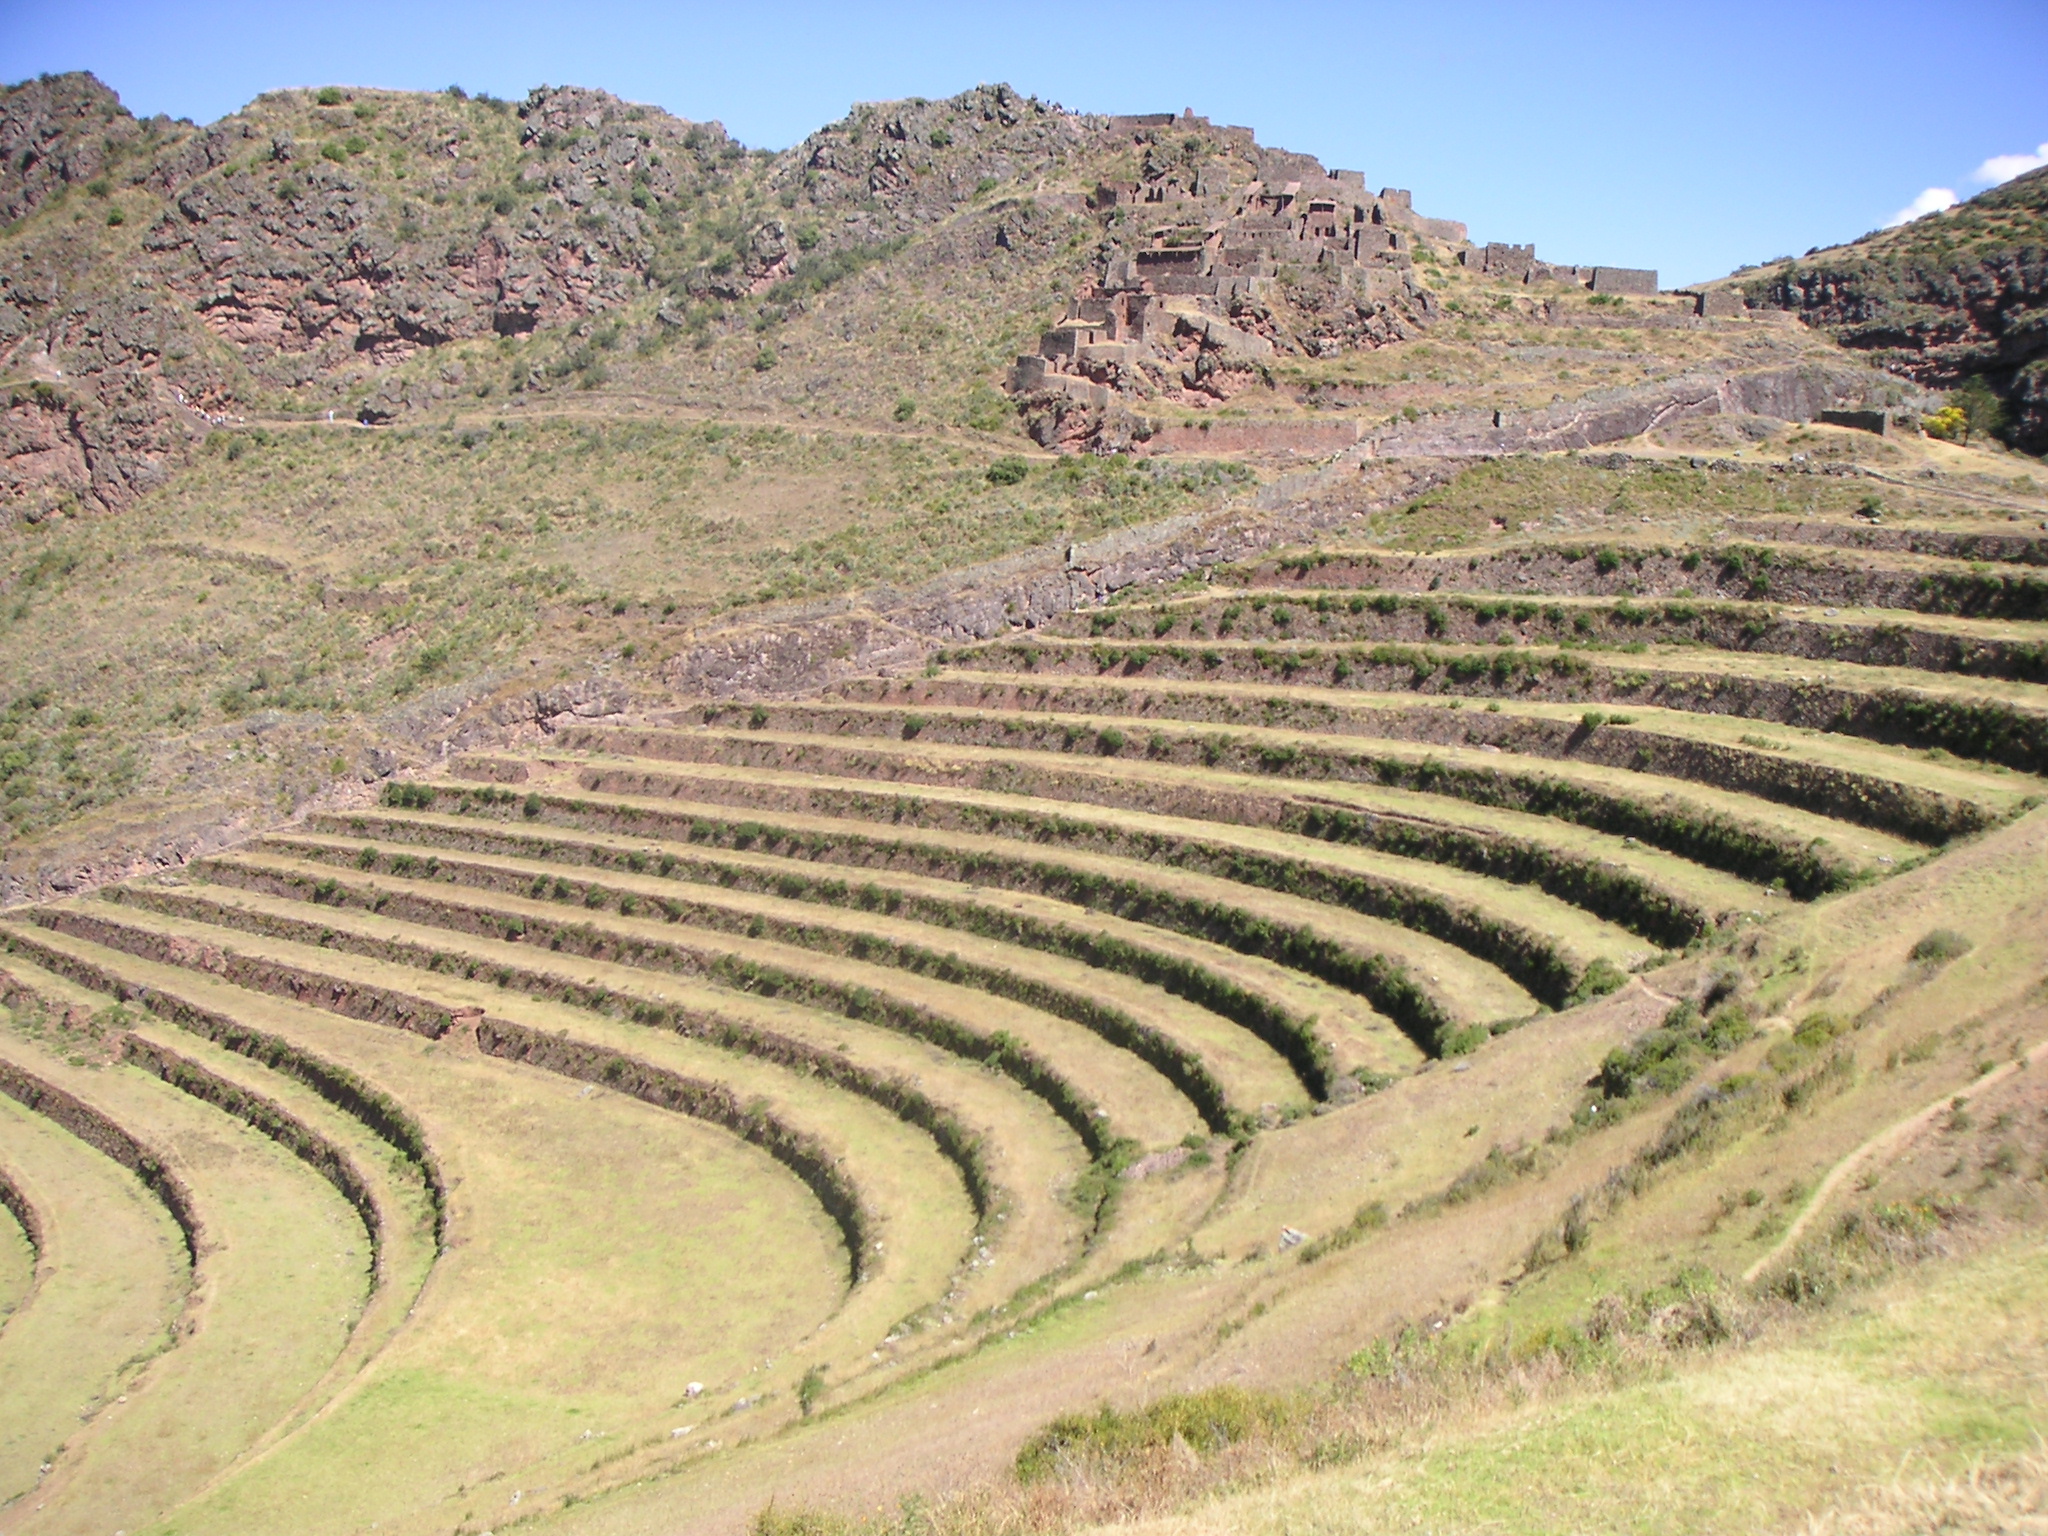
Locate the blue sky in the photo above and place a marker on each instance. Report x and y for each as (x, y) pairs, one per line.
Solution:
(1632, 135)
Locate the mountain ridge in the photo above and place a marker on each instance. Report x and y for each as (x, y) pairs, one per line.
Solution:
(1946, 299)
(296, 255)
(357, 399)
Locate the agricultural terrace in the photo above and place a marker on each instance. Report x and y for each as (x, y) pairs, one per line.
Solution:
(597, 1114)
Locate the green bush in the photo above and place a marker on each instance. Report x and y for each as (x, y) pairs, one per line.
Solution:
(1600, 978)
(770, 1521)
(1941, 946)
(1008, 470)
(1205, 1422)
(905, 409)
(329, 96)
(810, 1389)
(1808, 1036)
(1665, 1059)
(1370, 1217)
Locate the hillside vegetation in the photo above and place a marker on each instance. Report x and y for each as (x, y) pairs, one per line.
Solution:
(1949, 299)
(668, 923)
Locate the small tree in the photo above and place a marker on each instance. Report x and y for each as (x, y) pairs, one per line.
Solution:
(1981, 408)
(1973, 410)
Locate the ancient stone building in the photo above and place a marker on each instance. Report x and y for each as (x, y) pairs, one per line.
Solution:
(1497, 260)
(1518, 263)
(1198, 254)
(1624, 280)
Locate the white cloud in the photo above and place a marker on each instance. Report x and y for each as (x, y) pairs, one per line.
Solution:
(1933, 200)
(2004, 167)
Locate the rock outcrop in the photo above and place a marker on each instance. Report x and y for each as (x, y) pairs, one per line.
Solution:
(1947, 298)
(294, 251)
(159, 280)
(59, 132)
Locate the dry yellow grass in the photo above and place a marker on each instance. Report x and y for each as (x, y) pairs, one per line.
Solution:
(281, 1277)
(111, 1283)
(599, 1259)
(1823, 1431)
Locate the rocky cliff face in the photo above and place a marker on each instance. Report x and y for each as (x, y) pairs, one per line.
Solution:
(61, 131)
(372, 253)
(1947, 298)
(157, 275)
(157, 278)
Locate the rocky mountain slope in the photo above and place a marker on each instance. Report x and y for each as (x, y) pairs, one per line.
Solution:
(361, 421)
(373, 252)
(1951, 297)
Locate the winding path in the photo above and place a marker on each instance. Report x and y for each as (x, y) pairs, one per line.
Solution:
(1886, 1140)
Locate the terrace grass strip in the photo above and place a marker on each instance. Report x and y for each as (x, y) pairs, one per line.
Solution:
(1699, 836)
(105, 1135)
(1948, 543)
(887, 888)
(381, 1114)
(356, 1000)
(18, 1205)
(713, 1103)
(1292, 1036)
(1611, 893)
(555, 845)
(1383, 982)
(270, 1119)
(998, 1050)
(1753, 572)
(1985, 730)
(1175, 974)
(1538, 963)
(717, 1104)
(1476, 619)
(899, 1096)
(1913, 812)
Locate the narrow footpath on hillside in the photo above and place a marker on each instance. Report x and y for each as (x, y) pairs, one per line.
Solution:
(1892, 1138)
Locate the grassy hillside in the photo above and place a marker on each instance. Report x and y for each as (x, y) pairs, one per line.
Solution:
(626, 910)
(1418, 1018)
(1949, 299)
(631, 380)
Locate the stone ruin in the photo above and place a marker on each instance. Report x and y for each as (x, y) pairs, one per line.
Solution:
(1518, 263)
(1215, 264)
(1186, 307)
